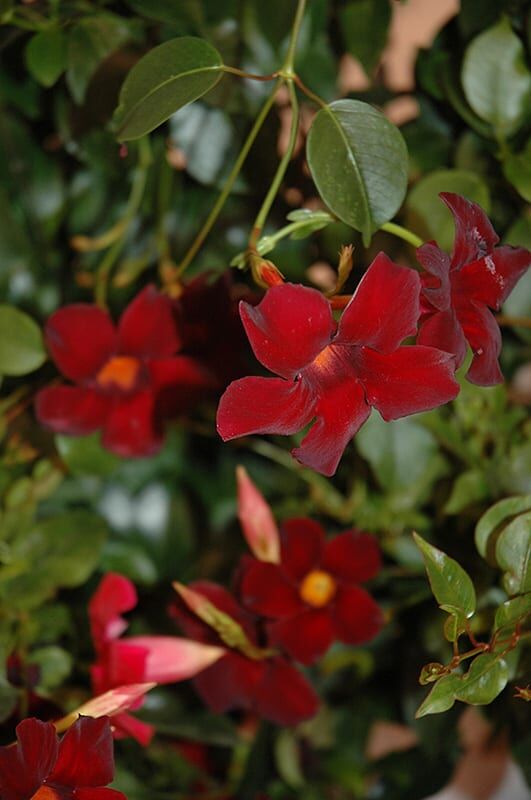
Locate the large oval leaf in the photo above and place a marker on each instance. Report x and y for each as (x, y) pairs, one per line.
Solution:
(21, 346)
(513, 553)
(168, 77)
(358, 160)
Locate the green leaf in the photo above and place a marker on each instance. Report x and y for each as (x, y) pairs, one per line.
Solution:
(365, 25)
(512, 611)
(441, 698)
(288, 758)
(45, 56)
(486, 678)
(205, 136)
(513, 554)
(428, 215)
(21, 346)
(492, 520)
(55, 665)
(517, 170)
(167, 78)
(84, 455)
(496, 80)
(358, 160)
(450, 584)
(470, 487)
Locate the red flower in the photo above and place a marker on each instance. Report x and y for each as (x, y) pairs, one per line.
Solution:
(120, 374)
(458, 292)
(136, 659)
(269, 686)
(312, 594)
(41, 767)
(335, 373)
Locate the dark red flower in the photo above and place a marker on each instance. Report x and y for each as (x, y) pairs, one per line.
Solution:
(269, 686)
(335, 373)
(119, 373)
(41, 767)
(457, 292)
(313, 593)
(136, 659)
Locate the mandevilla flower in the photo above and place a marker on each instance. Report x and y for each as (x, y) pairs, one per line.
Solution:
(457, 292)
(120, 373)
(266, 684)
(334, 373)
(77, 767)
(312, 596)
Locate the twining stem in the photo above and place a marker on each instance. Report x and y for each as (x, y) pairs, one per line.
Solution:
(229, 183)
(402, 233)
(281, 171)
(251, 76)
(295, 30)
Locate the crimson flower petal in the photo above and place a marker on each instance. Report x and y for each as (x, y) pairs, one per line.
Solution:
(341, 411)
(127, 725)
(474, 234)
(85, 754)
(170, 658)
(491, 279)
(99, 794)
(124, 663)
(284, 695)
(26, 765)
(80, 338)
(266, 590)
(302, 542)
(384, 310)
(71, 409)
(179, 382)
(436, 262)
(289, 328)
(264, 405)
(352, 556)
(357, 617)
(147, 328)
(230, 683)
(130, 429)
(483, 333)
(114, 595)
(443, 330)
(410, 380)
(306, 636)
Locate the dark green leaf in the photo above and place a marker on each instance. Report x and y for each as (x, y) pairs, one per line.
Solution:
(168, 77)
(365, 25)
(441, 698)
(512, 611)
(84, 455)
(46, 56)
(486, 678)
(513, 553)
(517, 170)
(21, 346)
(495, 516)
(470, 487)
(358, 160)
(288, 757)
(496, 80)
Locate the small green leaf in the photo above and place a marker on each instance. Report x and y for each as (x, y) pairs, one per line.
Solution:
(21, 346)
(358, 160)
(450, 584)
(517, 170)
(513, 554)
(441, 698)
(496, 80)
(469, 487)
(288, 758)
(491, 521)
(365, 25)
(45, 56)
(84, 455)
(512, 611)
(486, 678)
(167, 78)
(55, 665)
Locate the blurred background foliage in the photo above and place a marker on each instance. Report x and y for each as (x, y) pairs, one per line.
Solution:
(70, 511)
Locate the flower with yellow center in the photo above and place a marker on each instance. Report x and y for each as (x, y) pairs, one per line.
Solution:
(317, 588)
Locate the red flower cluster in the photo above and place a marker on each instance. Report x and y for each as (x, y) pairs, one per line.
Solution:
(77, 767)
(457, 292)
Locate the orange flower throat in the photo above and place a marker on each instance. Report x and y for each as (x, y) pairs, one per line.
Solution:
(317, 588)
(119, 372)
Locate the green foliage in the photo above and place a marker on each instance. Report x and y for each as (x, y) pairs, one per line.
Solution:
(365, 24)
(46, 56)
(21, 346)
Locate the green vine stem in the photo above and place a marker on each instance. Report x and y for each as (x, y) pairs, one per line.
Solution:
(402, 233)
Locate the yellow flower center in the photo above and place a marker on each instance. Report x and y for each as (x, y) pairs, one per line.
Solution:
(45, 793)
(322, 360)
(317, 588)
(120, 372)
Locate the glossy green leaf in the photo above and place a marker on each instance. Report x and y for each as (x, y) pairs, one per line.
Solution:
(470, 487)
(358, 160)
(496, 79)
(452, 587)
(498, 514)
(168, 77)
(21, 345)
(517, 170)
(486, 678)
(513, 554)
(441, 698)
(84, 455)
(512, 612)
(365, 25)
(45, 56)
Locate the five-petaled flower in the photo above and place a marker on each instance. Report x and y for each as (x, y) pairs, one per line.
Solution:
(457, 292)
(334, 373)
(77, 767)
(312, 595)
(121, 374)
(268, 685)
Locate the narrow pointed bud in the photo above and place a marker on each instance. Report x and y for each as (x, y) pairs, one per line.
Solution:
(113, 702)
(257, 521)
(172, 658)
(344, 268)
(265, 273)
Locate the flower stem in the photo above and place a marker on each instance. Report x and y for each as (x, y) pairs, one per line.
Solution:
(402, 233)
(281, 171)
(220, 202)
